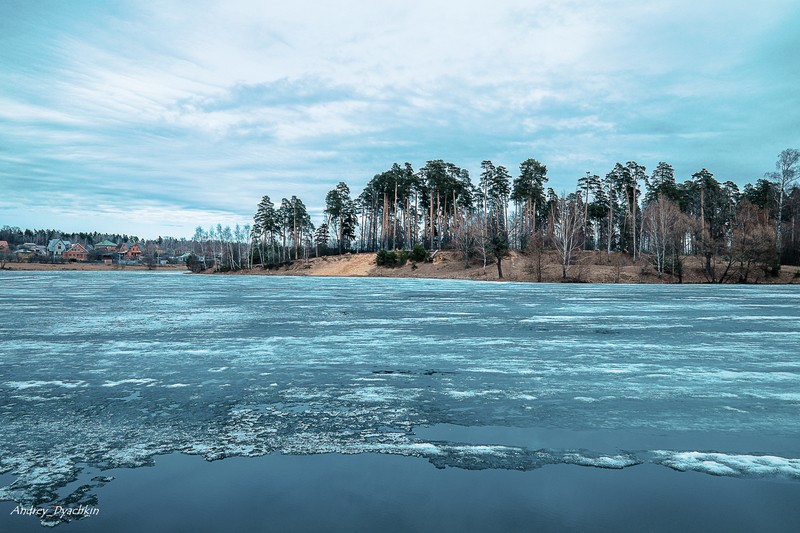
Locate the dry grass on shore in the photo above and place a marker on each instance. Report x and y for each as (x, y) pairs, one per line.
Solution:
(590, 267)
(89, 267)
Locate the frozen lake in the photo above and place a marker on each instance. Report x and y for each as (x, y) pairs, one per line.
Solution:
(104, 370)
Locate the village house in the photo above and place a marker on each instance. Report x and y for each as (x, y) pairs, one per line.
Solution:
(30, 250)
(133, 253)
(106, 251)
(57, 247)
(4, 247)
(78, 252)
(106, 246)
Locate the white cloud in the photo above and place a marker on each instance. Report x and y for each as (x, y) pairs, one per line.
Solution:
(215, 103)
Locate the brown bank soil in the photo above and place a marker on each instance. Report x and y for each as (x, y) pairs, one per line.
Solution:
(590, 267)
(90, 267)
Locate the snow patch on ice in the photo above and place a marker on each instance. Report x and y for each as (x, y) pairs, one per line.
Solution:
(177, 385)
(781, 396)
(420, 448)
(522, 397)
(602, 461)
(721, 464)
(729, 408)
(37, 398)
(471, 393)
(375, 394)
(33, 384)
(787, 396)
(134, 381)
(482, 449)
(484, 370)
(220, 369)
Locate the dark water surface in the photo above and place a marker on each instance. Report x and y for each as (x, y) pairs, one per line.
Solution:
(368, 492)
(374, 404)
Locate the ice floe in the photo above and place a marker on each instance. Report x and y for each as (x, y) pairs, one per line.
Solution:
(722, 464)
(132, 381)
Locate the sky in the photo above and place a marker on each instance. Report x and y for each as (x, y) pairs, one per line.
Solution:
(151, 118)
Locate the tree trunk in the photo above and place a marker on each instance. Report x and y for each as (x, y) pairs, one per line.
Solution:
(394, 224)
(610, 219)
(294, 230)
(702, 215)
(385, 221)
(633, 208)
(780, 224)
(438, 221)
(430, 221)
(586, 216)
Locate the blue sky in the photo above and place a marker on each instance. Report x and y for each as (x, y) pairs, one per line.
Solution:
(151, 118)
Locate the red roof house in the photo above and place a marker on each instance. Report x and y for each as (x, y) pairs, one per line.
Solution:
(77, 253)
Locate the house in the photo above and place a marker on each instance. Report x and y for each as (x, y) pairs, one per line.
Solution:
(76, 253)
(4, 247)
(30, 250)
(56, 247)
(106, 246)
(133, 253)
(106, 250)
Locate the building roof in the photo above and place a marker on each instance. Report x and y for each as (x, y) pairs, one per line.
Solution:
(79, 248)
(106, 243)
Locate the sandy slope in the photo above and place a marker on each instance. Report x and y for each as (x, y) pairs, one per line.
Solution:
(347, 265)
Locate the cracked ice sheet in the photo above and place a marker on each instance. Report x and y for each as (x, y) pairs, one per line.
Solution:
(227, 366)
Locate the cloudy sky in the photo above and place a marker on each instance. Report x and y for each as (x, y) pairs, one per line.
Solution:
(154, 117)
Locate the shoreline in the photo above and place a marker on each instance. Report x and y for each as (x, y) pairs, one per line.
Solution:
(87, 267)
(591, 268)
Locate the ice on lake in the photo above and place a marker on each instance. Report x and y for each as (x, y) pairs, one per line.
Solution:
(102, 370)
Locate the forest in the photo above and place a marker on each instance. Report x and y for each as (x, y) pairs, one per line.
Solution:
(410, 214)
(650, 217)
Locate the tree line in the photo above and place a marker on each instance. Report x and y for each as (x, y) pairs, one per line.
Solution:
(627, 210)
(16, 236)
(648, 216)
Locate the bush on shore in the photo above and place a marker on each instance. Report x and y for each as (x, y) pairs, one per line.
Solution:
(392, 258)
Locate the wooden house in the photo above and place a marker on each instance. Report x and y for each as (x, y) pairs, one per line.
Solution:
(57, 247)
(76, 253)
(132, 253)
(106, 246)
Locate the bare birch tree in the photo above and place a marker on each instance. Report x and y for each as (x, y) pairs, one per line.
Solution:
(566, 230)
(663, 226)
(787, 173)
(467, 236)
